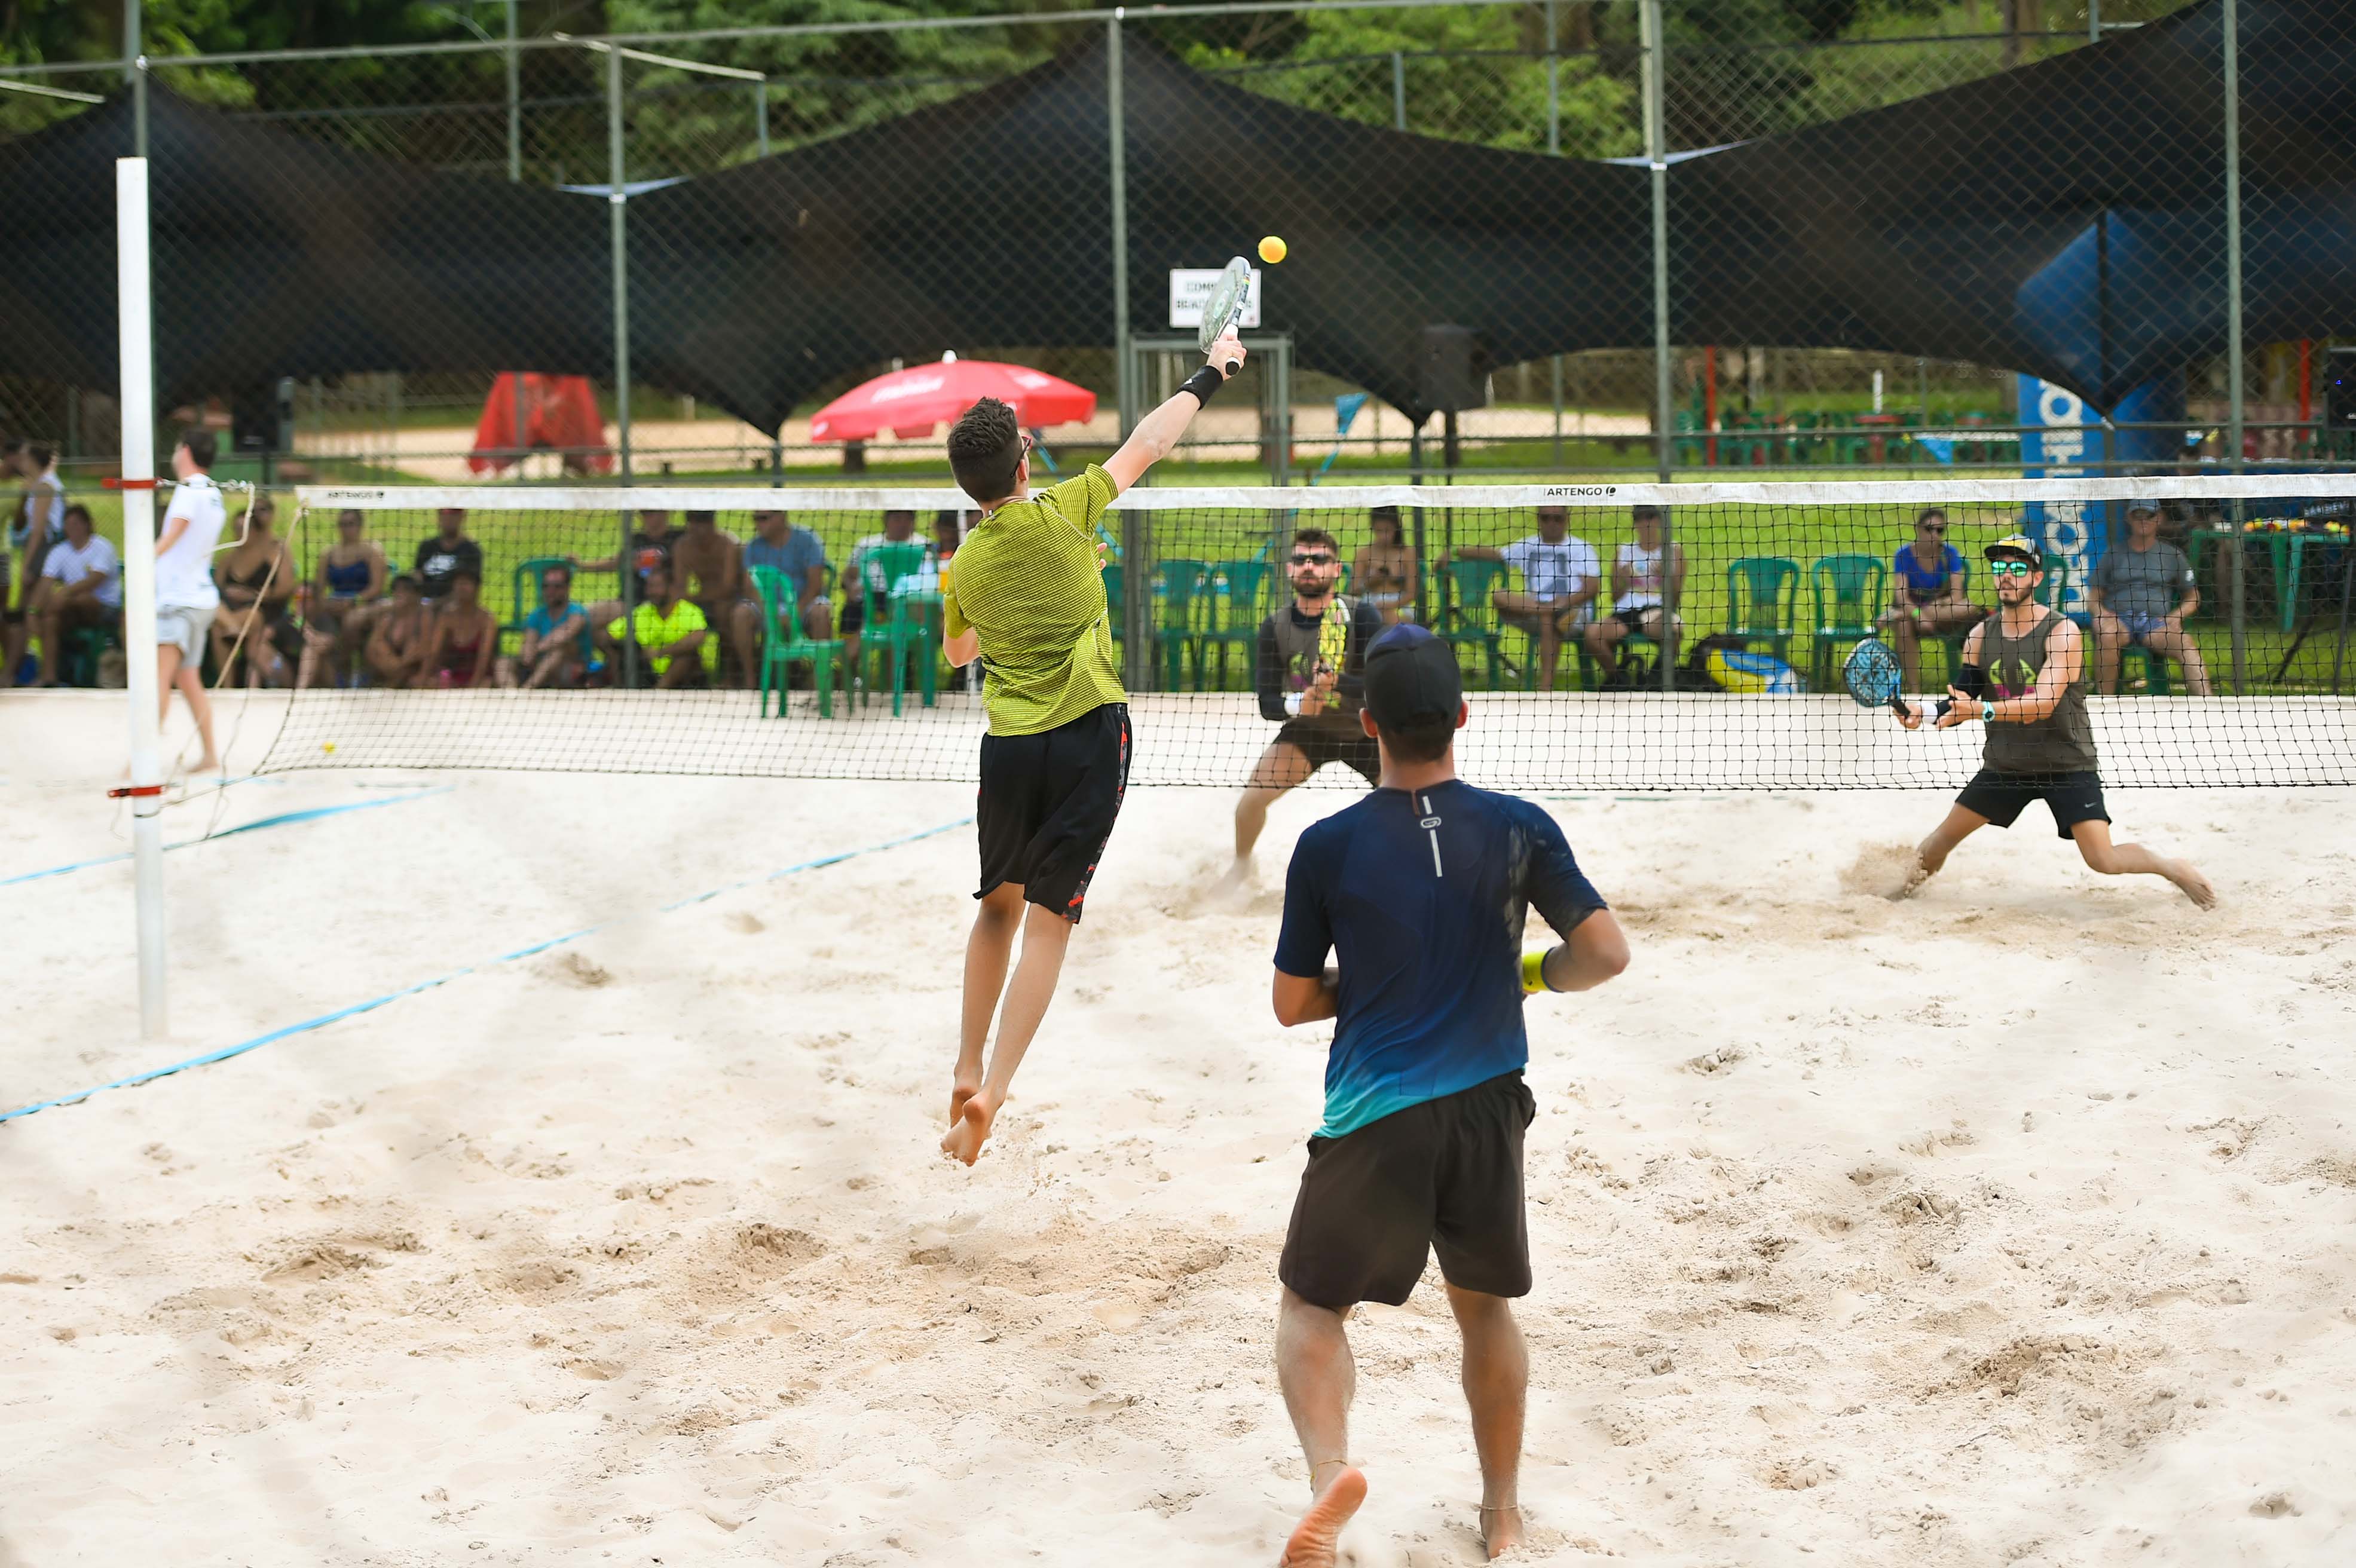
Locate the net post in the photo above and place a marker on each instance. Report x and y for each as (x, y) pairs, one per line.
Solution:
(135, 71)
(761, 117)
(138, 401)
(2230, 26)
(1399, 90)
(1655, 48)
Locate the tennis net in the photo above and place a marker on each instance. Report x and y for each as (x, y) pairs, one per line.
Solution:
(2214, 616)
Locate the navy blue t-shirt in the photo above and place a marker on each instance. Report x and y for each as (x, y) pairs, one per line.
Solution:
(1422, 897)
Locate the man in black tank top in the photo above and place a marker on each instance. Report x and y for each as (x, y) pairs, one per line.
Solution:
(1309, 673)
(2024, 676)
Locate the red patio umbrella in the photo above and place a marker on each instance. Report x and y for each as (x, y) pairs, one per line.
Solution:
(911, 402)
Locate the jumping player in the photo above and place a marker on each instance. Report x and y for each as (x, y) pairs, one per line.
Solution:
(2024, 676)
(1311, 657)
(1027, 596)
(1421, 890)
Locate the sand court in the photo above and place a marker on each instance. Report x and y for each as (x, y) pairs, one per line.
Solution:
(2010, 1224)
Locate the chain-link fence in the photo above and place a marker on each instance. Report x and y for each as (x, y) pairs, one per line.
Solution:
(1682, 236)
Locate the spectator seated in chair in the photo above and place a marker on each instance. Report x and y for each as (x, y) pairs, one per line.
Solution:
(443, 557)
(859, 574)
(350, 587)
(1383, 572)
(35, 525)
(1559, 579)
(462, 641)
(1931, 600)
(1640, 573)
(799, 556)
(709, 566)
(256, 580)
(557, 647)
(396, 639)
(2142, 593)
(675, 642)
(80, 589)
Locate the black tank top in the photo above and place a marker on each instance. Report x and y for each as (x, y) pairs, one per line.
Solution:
(2061, 742)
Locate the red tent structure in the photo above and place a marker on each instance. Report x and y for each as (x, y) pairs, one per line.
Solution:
(911, 402)
(560, 414)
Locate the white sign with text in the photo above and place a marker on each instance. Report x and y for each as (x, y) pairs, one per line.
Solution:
(1190, 290)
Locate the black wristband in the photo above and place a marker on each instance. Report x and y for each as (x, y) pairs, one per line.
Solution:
(1203, 383)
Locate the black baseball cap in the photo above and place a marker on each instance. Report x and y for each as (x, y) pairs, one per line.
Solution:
(1411, 675)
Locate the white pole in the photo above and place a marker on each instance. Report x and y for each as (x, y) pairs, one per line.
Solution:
(139, 582)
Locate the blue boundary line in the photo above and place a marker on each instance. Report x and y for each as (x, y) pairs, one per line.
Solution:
(282, 820)
(323, 1019)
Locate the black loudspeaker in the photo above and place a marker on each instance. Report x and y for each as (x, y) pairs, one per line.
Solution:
(261, 418)
(1453, 369)
(2340, 391)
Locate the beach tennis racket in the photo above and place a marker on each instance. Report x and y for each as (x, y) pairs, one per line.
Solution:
(1870, 673)
(1226, 304)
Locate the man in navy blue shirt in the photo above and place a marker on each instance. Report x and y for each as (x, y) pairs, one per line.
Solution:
(1421, 891)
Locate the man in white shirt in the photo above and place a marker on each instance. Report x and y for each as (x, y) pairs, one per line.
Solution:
(184, 596)
(1561, 573)
(80, 586)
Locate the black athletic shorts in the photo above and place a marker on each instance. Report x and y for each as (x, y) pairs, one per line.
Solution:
(1331, 738)
(1445, 1175)
(1047, 804)
(2000, 797)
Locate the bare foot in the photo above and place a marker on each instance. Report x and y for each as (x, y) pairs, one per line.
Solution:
(959, 1093)
(206, 766)
(1316, 1537)
(2185, 875)
(963, 1142)
(1500, 1529)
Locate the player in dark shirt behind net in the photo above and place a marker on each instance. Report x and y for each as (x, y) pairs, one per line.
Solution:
(1308, 671)
(1420, 890)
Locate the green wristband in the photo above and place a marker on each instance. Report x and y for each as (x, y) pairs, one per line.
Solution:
(1987, 712)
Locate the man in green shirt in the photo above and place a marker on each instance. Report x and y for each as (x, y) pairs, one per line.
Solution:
(1026, 596)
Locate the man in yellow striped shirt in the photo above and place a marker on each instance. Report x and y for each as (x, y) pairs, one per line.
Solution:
(1026, 596)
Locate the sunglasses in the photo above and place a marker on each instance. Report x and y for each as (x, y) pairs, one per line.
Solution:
(2009, 568)
(1314, 560)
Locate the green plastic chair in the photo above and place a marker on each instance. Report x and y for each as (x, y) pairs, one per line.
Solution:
(1762, 601)
(1183, 588)
(896, 626)
(2155, 670)
(1848, 591)
(1235, 614)
(1469, 617)
(824, 656)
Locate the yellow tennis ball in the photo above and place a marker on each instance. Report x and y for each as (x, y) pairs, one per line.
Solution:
(1271, 250)
(326, 745)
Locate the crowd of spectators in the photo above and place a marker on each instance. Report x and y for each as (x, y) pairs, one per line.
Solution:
(700, 619)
